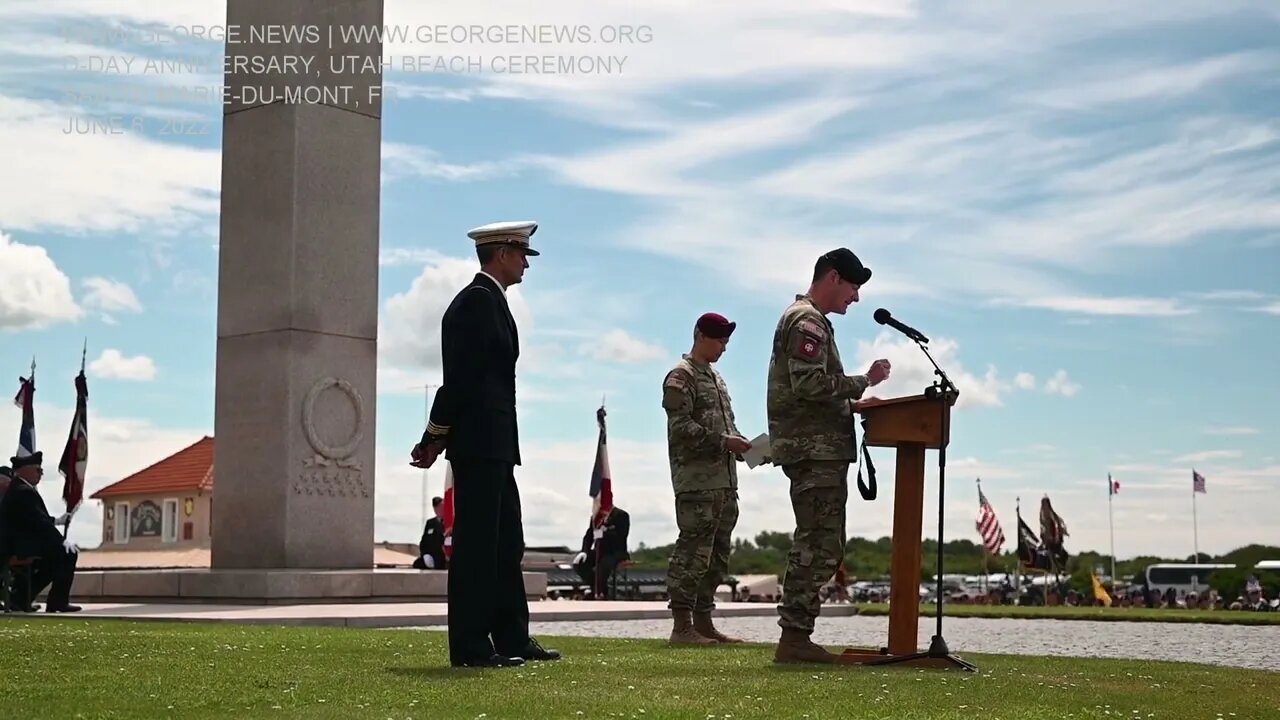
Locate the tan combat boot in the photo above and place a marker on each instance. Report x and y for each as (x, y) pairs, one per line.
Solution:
(702, 624)
(682, 633)
(795, 647)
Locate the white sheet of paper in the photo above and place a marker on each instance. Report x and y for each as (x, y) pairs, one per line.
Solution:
(759, 451)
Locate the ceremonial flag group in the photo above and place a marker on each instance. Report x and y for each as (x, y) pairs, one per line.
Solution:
(75, 455)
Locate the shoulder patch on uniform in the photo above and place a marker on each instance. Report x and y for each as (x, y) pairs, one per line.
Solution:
(811, 327)
(808, 347)
(676, 380)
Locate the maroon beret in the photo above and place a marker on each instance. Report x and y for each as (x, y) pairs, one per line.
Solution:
(715, 325)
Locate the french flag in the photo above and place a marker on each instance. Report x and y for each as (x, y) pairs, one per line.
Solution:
(601, 481)
(24, 400)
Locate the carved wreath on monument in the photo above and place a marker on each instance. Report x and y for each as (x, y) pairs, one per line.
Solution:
(331, 471)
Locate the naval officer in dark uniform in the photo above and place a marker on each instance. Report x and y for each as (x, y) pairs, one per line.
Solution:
(473, 421)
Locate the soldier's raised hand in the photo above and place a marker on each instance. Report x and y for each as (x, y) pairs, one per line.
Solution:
(878, 372)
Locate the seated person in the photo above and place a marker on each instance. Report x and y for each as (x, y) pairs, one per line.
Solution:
(431, 546)
(29, 531)
(6, 477)
(1253, 596)
(613, 549)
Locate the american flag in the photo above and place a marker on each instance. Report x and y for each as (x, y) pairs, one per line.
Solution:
(988, 525)
(601, 481)
(1197, 482)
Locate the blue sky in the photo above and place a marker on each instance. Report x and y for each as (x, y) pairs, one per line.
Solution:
(1077, 202)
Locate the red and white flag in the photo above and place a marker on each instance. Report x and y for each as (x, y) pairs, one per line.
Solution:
(446, 510)
(75, 455)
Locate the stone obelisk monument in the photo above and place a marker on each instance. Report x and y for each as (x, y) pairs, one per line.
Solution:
(298, 287)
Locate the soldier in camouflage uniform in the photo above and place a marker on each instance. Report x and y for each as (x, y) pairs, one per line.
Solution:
(811, 439)
(704, 447)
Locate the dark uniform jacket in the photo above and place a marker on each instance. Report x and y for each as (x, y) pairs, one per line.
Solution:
(614, 542)
(26, 527)
(475, 408)
(432, 542)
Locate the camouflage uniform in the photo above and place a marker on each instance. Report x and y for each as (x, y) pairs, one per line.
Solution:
(811, 439)
(704, 476)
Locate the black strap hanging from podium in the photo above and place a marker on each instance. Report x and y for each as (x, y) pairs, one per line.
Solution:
(868, 489)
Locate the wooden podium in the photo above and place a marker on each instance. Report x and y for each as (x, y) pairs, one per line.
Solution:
(912, 425)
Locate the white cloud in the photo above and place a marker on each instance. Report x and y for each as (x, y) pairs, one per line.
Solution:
(34, 293)
(409, 324)
(1207, 455)
(1231, 430)
(109, 296)
(912, 372)
(620, 347)
(654, 167)
(403, 161)
(81, 183)
(1131, 306)
(195, 12)
(115, 365)
(1017, 195)
(1025, 381)
(1155, 83)
(1060, 384)
(1229, 295)
(1272, 309)
(396, 256)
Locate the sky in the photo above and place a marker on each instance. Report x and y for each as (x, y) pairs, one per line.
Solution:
(1075, 201)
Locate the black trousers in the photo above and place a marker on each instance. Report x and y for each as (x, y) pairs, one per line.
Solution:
(56, 570)
(587, 571)
(488, 610)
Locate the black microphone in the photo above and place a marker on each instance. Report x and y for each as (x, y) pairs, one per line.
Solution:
(883, 317)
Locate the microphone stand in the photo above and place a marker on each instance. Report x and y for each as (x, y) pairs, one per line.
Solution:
(945, 393)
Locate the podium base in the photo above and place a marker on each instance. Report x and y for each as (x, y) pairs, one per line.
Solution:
(936, 657)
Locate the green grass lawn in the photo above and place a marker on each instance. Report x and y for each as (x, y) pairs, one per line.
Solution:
(1117, 614)
(64, 668)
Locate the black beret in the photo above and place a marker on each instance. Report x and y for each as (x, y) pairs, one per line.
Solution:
(35, 458)
(848, 266)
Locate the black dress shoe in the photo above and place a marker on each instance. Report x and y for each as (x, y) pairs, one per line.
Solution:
(534, 651)
(494, 660)
(62, 608)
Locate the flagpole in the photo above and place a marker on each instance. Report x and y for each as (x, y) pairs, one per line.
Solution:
(1111, 493)
(1195, 523)
(599, 590)
(426, 415)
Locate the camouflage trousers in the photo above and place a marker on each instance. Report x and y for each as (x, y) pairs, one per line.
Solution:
(700, 560)
(819, 494)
